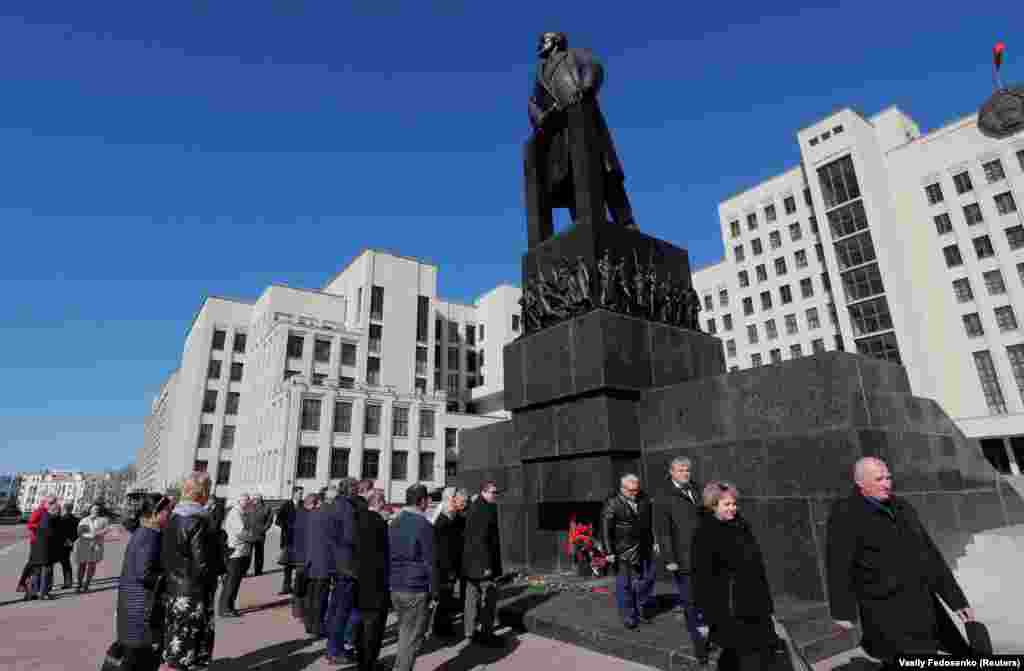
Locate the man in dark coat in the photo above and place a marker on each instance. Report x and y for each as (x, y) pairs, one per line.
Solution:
(481, 566)
(45, 552)
(337, 532)
(261, 517)
(628, 535)
(678, 517)
(285, 519)
(67, 525)
(883, 564)
(449, 544)
(373, 588)
(320, 567)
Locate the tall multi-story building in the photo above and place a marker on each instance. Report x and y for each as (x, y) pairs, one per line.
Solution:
(372, 376)
(895, 244)
(149, 466)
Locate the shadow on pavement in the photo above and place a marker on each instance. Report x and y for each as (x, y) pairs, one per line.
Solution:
(278, 657)
(265, 606)
(469, 658)
(859, 664)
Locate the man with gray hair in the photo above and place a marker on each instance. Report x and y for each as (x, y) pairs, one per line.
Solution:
(240, 540)
(628, 536)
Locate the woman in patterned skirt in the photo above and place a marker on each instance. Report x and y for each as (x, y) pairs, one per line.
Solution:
(92, 532)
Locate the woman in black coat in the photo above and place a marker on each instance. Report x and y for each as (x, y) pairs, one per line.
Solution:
(139, 623)
(45, 553)
(731, 586)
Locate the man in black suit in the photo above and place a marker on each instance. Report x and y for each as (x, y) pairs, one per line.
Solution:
(285, 519)
(449, 544)
(628, 535)
(373, 589)
(481, 566)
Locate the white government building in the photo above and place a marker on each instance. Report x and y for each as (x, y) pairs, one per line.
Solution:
(372, 376)
(893, 243)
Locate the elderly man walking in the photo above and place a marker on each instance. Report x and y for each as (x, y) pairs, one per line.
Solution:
(240, 540)
(261, 519)
(628, 535)
(883, 565)
(481, 566)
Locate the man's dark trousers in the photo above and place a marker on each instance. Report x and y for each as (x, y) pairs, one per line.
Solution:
(369, 637)
(634, 585)
(257, 556)
(481, 603)
(694, 618)
(237, 567)
(65, 567)
(413, 610)
(338, 613)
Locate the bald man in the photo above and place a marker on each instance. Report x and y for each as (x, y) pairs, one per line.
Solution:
(883, 565)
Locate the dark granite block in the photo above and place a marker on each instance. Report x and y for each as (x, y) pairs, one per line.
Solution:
(543, 550)
(826, 462)
(535, 432)
(512, 521)
(879, 375)
(783, 529)
(485, 446)
(980, 510)
(549, 364)
(578, 479)
(589, 348)
(533, 478)
(514, 369)
(626, 355)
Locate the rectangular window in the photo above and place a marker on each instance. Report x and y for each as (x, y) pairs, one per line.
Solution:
(734, 229)
(943, 224)
(744, 278)
(962, 182)
(453, 358)
(359, 304)
(730, 348)
(377, 303)
(376, 335)
(972, 324)
(952, 254)
(210, 401)
(1005, 203)
(791, 327)
(727, 319)
(310, 414)
(213, 370)
(481, 328)
(295, 346)
(738, 251)
(322, 351)
(1020, 158)
(426, 423)
(769, 213)
(421, 360)
(371, 425)
(711, 327)
(1005, 318)
(870, 316)
(1020, 272)
(848, 220)
(972, 213)
(723, 298)
(1015, 237)
(400, 421)
(748, 306)
(231, 407)
(990, 383)
(227, 437)
(371, 464)
(807, 198)
(236, 372)
(399, 465)
(839, 342)
(239, 345)
(205, 436)
(994, 171)
(438, 330)
(343, 417)
(983, 247)
(306, 464)
(780, 266)
(339, 463)
(795, 351)
(1016, 355)
(755, 360)
(348, 354)
(962, 290)
(708, 305)
(854, 251)
(818, 345)
(813, 221)
(806, 287)
(762, 273)
(346, 382)
(774, 240)
(471, 335)
(801, 258)
(789, 203)
(451, 439)
(755, 246)
(453, 332)
(373, 371)
(813, 321)
(752, 334)
(218, 339)
(833, 316)
(422, 318)
(766, 300)
(838, 182)
(775, 356)
(752, 221)
(771, 331)
(994, 282)
(480, 360)
(794, 232)
(786, 294)
(223, 472)
(420, 385)
(882, 346)
(934, 193)
(427, 466)
(819, 251)
(515, 323)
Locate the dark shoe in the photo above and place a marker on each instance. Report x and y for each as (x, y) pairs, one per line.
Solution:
(231, 614)
(700, 651)
(68, 585)
(489, 641)
(630, 624)
(645, 620)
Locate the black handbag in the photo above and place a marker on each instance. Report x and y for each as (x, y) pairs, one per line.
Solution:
(114, 660)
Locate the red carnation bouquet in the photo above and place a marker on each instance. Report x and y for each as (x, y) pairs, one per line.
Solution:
(583, 548)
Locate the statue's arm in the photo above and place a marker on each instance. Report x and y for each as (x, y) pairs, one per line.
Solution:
(536, 113)
(591, 71)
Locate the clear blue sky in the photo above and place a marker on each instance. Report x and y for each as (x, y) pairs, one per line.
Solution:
(154, 153)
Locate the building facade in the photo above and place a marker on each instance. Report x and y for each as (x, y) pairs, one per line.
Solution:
(891, 243)
(372, 376)
(65, 485)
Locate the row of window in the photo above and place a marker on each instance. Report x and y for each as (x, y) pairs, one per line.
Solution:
(220, 339)
(989, 379)
(471, 332)
(770, 216)
(994, 283)
(1005, 319)
(983, 248)
(227, 437)
(795, 352)
(785, 296)
(994, 172)
(826, 135)
(474, 358)
(230, 407)
(307, 458)
(1005, 204)
(312, 410)
(774, 241)
(772, 331)
(322, 347)
(223, 470)
(213, 371)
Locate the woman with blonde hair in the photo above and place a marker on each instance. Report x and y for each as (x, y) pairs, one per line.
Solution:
(92, 533)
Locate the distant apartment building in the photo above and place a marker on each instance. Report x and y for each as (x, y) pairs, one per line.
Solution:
(68, 486)
(372, 376)
(894, 244)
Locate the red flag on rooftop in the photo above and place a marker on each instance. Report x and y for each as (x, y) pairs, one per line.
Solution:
(997, 54)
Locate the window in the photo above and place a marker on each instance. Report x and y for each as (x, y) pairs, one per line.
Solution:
(373, 371)
(972, 324)
(807, 198)
(766, 300)
(437, 378)
(882, 346)
(730, 348)
(1005, 318)
(453, 384)
(801, 258)
(994, 282)
(952, 254)
(711, 327)
(771, 331)
(774, 240)
(818, 345)
(990, 383)
(451, 438)
(400, 421)
(399, 465)
(983, 247)
(295, 346)
(769, 213)
(775, 355)
(780, 266)
(438, 330)
(426, 466)
(236, 372)
(377, 303)
(218, 339)
(934, 193)
(755, 246)
(227, 437)
(762, 273)
(723, 298)
(1020, 272)
(239, 345)
(744, 278)
(841, 348)
(346, 382)
(371, 424)
(813, 141)
(426, 423)
(838, 182)
(795, 351)
(210, 401)
(231, 407)
(200, 465)
(752, 334)
(752, 221)
(421, 360)
(453, 358)
(310, 414)
(994, 171)
(789, 203)
(348, 354)
(481, 328)
(480, 359)
(972, 213)
(813, 221)
(833, 316)
(794, 231)
(223, 472)
(343, 417)
(870, 316)
(708, 304)
(748, 306)
(1020, 158)
(515, 323)
(306, 464)
(962, 290)
(791, 328)
(471, 335)
(847, 220)
(213, 370)
(819, 251)
(854, 251)
(755, 360)
(422, 318)
(376, 334)
(813, 321)
(862, 282)
(420, 385)
(738, 251)
(339, 463)
(962, 182)
(734, 229)
(943, 224)
(1005, 203)
(205, 436)
(1015, 237)
(322, 350)
(371, 464)
(806, 287)
(785, 294)
(1016, 355)
(727, 319)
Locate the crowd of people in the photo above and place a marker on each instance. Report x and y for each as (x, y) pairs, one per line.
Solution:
(56, 536)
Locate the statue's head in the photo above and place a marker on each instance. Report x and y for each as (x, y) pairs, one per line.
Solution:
(550, 43)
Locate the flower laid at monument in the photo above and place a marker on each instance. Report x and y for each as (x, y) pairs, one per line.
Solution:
(584, 549)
